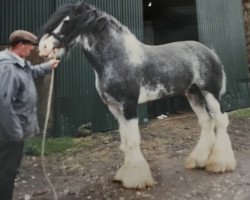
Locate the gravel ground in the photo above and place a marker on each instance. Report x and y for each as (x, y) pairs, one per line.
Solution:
(88, 173)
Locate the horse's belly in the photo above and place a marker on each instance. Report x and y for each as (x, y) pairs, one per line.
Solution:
(149, 93)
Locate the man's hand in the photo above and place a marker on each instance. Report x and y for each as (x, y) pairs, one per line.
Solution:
(54, 63)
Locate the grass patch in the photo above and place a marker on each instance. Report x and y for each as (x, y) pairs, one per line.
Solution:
(53, 145)
(242, 113)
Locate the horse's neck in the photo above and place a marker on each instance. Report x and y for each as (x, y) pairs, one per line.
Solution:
(105, 47)
(94, 48)
(102, 41)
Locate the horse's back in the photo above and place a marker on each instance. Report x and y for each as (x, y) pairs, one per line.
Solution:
(181, 50)
(185, 63)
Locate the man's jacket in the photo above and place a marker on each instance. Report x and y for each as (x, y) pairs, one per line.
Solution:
(18, 97)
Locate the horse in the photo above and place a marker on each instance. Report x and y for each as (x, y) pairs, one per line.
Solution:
(129, 72)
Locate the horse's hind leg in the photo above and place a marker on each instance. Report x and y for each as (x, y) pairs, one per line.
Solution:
(222, 157)
(135, 172)
(199, 156)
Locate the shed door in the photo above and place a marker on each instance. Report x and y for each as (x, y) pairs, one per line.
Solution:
(221, 27)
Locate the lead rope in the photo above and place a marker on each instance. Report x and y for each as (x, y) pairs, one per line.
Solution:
(44, 134)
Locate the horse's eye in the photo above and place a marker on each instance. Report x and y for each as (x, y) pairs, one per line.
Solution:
(65, 27)
(66, 22)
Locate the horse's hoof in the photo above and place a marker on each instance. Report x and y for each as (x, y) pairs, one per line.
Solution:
(197, 159)
(135, 176)
(190, 163)
(220, 167)
(221, 162)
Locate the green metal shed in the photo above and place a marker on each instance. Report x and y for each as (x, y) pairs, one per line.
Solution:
(220, 26)
(25, 14)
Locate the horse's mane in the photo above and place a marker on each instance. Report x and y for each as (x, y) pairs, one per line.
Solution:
(90, 16)
(56, 18)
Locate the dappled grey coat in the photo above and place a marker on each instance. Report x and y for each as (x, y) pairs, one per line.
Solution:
(18, 97)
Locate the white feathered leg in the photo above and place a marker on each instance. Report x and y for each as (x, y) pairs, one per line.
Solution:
(135, 172)
(222, 156)
(199, 156)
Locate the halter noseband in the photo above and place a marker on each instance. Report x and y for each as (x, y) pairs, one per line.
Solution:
(60, 39)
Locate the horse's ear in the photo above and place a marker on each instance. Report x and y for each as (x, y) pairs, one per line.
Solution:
(80, 7)
(82, 3)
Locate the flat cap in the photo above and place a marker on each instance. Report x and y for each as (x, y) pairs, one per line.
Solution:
(22, 36)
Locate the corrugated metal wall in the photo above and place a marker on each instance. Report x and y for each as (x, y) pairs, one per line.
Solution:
(76, 97)
(77, 101)
(221, 27)
(23, 14)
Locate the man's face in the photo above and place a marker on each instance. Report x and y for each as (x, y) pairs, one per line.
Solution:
(25, 49)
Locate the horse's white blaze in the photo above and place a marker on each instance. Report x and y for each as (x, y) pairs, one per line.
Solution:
(59, 27)
(46, 44)
(134, 50)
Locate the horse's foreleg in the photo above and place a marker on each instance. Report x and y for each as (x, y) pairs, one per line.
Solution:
(135, 172)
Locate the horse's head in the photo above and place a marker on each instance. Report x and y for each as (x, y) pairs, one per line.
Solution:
(66, 26)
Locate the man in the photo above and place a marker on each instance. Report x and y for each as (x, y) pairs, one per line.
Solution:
(18, 104)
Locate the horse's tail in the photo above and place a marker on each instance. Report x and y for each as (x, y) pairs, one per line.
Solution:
(223, 83)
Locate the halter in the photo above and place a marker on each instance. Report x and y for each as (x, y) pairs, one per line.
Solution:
(60, 39)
